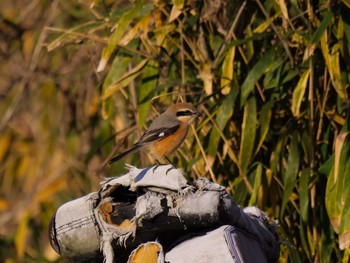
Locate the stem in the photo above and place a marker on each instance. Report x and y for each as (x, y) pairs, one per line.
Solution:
(312, 131)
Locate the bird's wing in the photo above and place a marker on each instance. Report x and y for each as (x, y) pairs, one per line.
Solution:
(162, 126)
(157, 134)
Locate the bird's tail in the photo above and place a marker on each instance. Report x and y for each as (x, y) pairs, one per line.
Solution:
(120, 156)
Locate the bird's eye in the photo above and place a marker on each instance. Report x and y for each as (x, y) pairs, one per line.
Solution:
(184, 113)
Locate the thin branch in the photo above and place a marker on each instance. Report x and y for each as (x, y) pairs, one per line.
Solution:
(230, 151)
(212, 175)
(96, 39)
(284, 43)
(230, 34)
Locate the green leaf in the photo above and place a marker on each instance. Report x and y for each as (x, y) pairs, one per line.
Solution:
(337, 183)
(326, 167)
(124, 80)
(224, 114)
(119, 30)
(264, 122)
(272, 78)
(304, 194)
(241, 42)
(326, 244)
(261, 67)
(322, 27)
(248, 134)
(118, 68)
(148, 85)
(344, 229)
(347, 30)
(291, 171)
(304, 238)
(257, 184)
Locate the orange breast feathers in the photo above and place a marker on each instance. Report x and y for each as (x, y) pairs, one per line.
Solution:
(169, 144)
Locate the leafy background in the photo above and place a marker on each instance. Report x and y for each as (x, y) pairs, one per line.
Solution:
(81, 80)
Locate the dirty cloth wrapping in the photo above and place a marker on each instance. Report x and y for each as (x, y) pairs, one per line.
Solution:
(146, 205)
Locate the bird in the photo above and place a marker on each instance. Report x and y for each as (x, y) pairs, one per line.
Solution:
(166, 133)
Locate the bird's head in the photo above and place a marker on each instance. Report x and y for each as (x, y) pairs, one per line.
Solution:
(185, 112)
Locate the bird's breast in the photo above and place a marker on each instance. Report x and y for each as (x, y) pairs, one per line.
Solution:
(169, 144)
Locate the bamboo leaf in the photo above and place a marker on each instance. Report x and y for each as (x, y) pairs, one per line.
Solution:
(263, 26)
(262, 66)
(124, 80)
(347, 2)
(21, 236)
(298, 94)
(227, 71)
(141, 28)
(264, 121)
(148, 85)
(284, 9)
(257, 185)
(176, 10)
(304, 194)
(118, 68)
(5, 142)
(344, 229)
(335, 184)
(333, 65)
(291, 171)
(72, 35)
(322, 27)
(119, 30)
(224, 114)
(332, 208)
(206, 75)
(248, 134)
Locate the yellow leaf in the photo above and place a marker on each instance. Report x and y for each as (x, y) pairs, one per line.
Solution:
(28, 43)
(298, 93)
(176, 10)
(25, 164)
(4, 205)
(21, 236)
(263, 26)
(5, 144)
(284, 8)
(162, 32)
(49, 192)
(141, 28)
(179, 3)
(333, 65)
(297, 38)
(338, 119)
(346, 2)
(206, 75)
(228, 71)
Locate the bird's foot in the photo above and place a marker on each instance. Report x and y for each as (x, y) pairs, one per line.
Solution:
(169, 169)
(155, 168)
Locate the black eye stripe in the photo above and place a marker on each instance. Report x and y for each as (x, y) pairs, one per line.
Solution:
(184, 113)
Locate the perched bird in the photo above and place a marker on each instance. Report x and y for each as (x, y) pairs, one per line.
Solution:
(166, 133)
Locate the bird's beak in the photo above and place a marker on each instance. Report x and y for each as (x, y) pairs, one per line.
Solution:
(198, 114)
